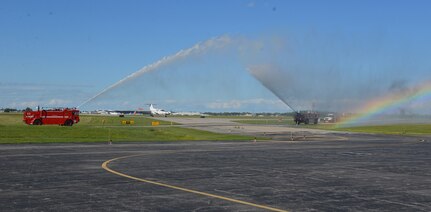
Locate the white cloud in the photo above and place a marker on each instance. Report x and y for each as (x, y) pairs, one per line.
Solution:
(238, 104)
(22, 95)
(30, 104)
(58, 102)
(41, 103)
(224, 105)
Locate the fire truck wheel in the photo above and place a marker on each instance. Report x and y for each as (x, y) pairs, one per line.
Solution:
(68, 122)
(37, 122)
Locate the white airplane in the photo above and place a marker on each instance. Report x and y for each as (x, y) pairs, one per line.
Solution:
(155, 111)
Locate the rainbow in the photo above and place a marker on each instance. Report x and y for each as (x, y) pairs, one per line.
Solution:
(387, 102)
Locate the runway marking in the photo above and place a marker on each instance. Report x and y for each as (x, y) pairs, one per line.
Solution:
(105, 166)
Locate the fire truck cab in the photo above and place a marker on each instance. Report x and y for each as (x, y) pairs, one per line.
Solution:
(60, 116)
(306, 117)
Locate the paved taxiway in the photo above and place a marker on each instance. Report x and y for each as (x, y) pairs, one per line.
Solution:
(228, 126)
(359, 173)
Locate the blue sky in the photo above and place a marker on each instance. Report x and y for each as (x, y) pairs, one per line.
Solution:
(60, 53)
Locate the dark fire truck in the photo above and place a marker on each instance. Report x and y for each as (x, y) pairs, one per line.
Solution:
(60, 116)
(306, 117)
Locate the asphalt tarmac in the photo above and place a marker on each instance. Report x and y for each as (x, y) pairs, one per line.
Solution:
(356, 173)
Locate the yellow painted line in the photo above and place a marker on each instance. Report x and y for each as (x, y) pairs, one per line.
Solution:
(105, 166)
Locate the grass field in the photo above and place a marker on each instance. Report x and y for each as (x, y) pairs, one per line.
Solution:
(393, 129)
(95, 128)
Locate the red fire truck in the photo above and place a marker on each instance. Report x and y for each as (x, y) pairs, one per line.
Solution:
(60, 116)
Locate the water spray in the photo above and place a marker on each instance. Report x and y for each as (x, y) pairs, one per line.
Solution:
(199, 48)
(282, 99)
(252, 70)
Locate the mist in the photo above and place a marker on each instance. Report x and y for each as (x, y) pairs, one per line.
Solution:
(208, 77)
(340, 72)
(335, 72)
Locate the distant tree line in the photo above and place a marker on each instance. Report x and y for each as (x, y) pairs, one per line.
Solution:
(8, 110)
(11, 110)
